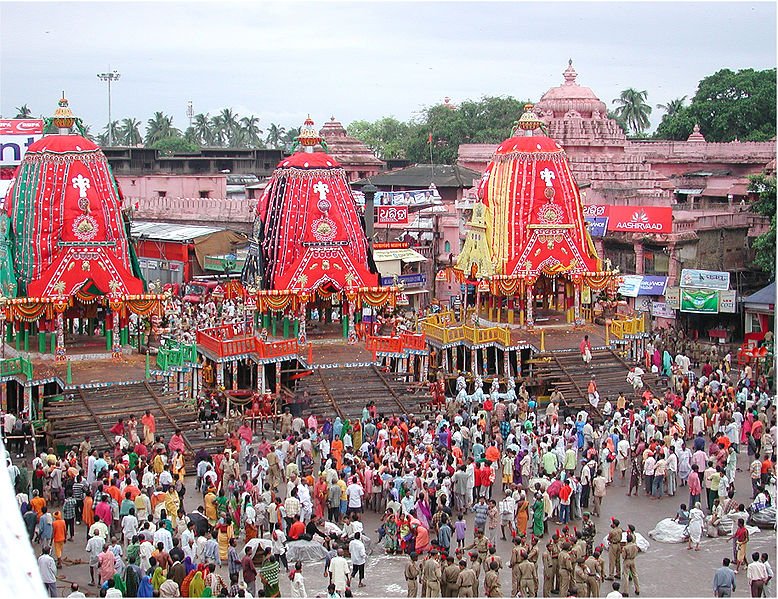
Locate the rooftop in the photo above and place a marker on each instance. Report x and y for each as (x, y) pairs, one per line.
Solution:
(422, 175)
(170, 231)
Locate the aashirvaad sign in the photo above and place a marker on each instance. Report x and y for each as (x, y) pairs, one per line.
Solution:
(640, 219)
(16, 135)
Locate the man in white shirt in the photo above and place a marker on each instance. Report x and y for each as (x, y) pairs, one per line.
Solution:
(356, 549)
(615, 594)
(94, 547)
(162, 535)
(354, 492)
(48, 569)
(129, 526)
(757, 575)
(339, 572)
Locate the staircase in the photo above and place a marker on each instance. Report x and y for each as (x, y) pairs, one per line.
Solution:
(566, 372)
(341, 391)
(94, 411)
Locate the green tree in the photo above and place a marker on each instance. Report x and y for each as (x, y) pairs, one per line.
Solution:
(225, 126)
(620, 121)
(673, 106)
(631, 105)
(252, 134)
(129, 132)
(173, 145)
(115, 136)
(275, 134)
(764, 245)
(386, 137)
(160, 126)
(23, 112)
(290, 138)
(728, 105)
(202, 124)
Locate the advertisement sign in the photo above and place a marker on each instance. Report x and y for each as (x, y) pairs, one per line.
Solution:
(16, 135)
(673, 297)
(630, 285)
(597, 225)
(662, 310)
(414, 280)
(643, 304)
(391, 215)
(704, 279)
(391, 245)
(595, 211)
(652, 285)
(728, 301)
(406, 198)
(640, 219)
(701, 301)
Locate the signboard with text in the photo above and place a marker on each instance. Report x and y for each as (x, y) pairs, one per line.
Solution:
(700, 301)
(673, 297)
(728, 301)
(640, 219)
(704, 279)
(662, 310)
(391, 215)
(597, 225)
(16, 135)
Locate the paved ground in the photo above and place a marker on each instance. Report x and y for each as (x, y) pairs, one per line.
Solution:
(665, 570)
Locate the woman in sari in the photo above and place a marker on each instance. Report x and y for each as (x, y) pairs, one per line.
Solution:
(131, 581)
(88, 512)
(172, 504)
(269, 574)
(391, 544)
(249, 518)
(356, 434)
(177, 467)
(226, 532)
(423, 512)
(522, 515)
(336, 450)
(234, 508)
(667, 364)
(696, 523)
(118, 584)
(196, 585)
(337, 428)
(158, 578)
(684, 464)
(145, 589)
(538, 516)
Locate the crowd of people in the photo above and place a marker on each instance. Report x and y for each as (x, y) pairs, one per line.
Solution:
(444, 485)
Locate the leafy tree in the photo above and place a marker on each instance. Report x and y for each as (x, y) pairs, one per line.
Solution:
(202, 125)
(386, 137)
(633, 108)
(275, 134)
(290, 138)
(23, 112)
(611, 114)
(115, 136)
(129, 132)
(251, 133)
(160, 126)
(673, 106)
(727, 105)
(226, 125)
(173, 145)
(764, 245)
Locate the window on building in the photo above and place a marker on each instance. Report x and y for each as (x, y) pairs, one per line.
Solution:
(162, 194)
(756, 325)
(205, 194)
(447, 247)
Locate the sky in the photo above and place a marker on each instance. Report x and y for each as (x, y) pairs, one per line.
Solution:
(361, 60)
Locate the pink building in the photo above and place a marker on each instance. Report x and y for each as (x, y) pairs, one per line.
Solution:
(173, 186)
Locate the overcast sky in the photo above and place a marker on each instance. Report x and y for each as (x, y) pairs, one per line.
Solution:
(361, 60)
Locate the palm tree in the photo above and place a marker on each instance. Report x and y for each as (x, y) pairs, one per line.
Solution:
(160, 126)
(673, 106)
(218, 131)
(115, 136)
(290, 137)
(129, 132)
(229, 124)
(632, 107)
(203, 129)
(23, 112)
(275, 134)
(252, 134)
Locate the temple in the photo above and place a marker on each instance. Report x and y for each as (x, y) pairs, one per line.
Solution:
(534, 230)
(353, 155)
(67, 267)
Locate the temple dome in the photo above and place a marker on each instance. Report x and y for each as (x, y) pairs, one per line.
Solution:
(570, 97)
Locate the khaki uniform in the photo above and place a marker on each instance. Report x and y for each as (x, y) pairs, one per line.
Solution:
(467, 583)
(579, 578)
(565, 572)
(528, 582)
(449, 582)
(554, 566)
(548, 573)
(411, 577)
(614, 552)
(592, 566)
(579, 549)
(492, 583)
(513, 565)
(630, 552)
(430, 572)
(475, 566)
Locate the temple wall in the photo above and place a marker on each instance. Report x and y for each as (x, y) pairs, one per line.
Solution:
(233, 214)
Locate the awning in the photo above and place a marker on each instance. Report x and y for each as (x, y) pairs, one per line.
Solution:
(405, 254)
(690, 192)
(716, 191)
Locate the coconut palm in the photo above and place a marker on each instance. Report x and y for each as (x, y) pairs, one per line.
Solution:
(203, 128)
(290, 138)
(23, 112)
(129, 132)
(160, 126)
(252, 134)
(673, 106)
(228, 124)
(632, 107)
(275, 134)
(115, 135)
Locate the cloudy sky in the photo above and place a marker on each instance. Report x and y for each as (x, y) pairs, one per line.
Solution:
(361, 60)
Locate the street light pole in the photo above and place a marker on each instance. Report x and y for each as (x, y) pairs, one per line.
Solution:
(109, 77)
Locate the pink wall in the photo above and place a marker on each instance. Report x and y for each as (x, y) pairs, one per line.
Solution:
(173, 186)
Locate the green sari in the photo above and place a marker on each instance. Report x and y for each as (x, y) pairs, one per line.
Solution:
(269, 572)
(538, 512)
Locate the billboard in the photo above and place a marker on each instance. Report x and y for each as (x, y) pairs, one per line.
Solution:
(635, 285)
(596, 225)
(728, 301)
(645, 219)
(407, 198)
(16, 135)
(700, 301)
(673, 297)
(391, 215)
(704, 279)
(662, 310)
